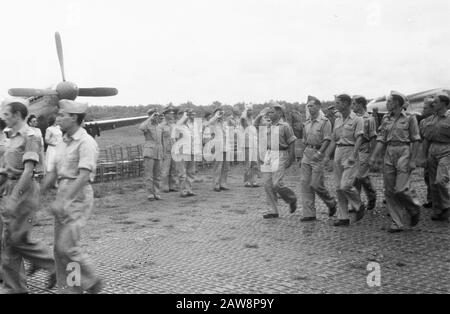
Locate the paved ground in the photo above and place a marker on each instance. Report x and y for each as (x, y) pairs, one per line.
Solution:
(218, 243)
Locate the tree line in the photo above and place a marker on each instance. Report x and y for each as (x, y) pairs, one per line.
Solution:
(116, 112)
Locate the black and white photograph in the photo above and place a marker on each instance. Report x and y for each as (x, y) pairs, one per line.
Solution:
(224, 153)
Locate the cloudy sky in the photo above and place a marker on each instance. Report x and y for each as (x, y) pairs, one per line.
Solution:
(228, 50)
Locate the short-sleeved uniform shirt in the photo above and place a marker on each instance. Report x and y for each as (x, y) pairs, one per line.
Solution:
(167, 140)
(285, 133)
(24, 145)
(3, 143)
(438, 133)
(347, 131)
(186, 132)
(251, 134)
(316, 131)
(153, 147)
(38, 134)
(53, 135)
(440, 128)
(405, 129)
(227, 132)
(79, 151)
(370, 132)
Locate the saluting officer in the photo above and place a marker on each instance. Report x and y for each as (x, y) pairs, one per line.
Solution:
(278, 159)
(251, 143)
(399, 134)
(437, 148)
(219, 130)
(359, 105)
(74, 166)
(20, 202)
(153, 153)
(170, 168)
(347, 139)
(185, 128)
(317, 138)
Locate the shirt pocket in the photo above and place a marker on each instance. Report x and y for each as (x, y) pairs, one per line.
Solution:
(70, 165)
(402, 131)
(13, 158)
(149, 151)
(338, 132)
(348, 130)
(403, 125)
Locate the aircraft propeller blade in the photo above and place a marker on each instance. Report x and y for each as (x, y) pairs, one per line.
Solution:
(97, 92)
(31, 92)
(59, 50)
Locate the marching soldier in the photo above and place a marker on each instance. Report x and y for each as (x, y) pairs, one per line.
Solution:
(169, 171)
(399, 134)
(251, 141)
(187, 163)
(219, 129)
(427, 111)
(359, 105)
(74, 167)
(316, 137)
(20, 202)
(278, 159)
(347, 139)
(153, 153)
(437, 148)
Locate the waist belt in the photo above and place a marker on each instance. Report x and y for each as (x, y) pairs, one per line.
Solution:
(64, 178)
(18, 178)
(345, 145)
(279, 149)
(441, 143)
(317, 147)
(398, 144)
(70, 179)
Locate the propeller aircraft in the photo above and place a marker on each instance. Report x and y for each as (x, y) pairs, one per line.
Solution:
(43, 103)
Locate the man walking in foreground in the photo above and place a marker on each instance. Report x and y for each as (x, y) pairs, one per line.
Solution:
(278, 159)
(399, 134)
(74, 167)
(20, 203)
(347, 138)
(437, 151)
(316, 137)
(359, 106)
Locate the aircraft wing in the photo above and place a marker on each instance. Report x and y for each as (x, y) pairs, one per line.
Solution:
(111, 124)
(416, 101)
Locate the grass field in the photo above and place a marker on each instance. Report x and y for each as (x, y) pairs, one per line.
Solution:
(129, 135)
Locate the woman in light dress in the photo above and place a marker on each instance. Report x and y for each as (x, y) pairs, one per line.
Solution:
(53, 136)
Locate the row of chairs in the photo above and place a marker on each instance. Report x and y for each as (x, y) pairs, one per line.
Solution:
(117, 163)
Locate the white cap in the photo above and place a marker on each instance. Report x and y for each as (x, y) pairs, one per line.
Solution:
(71, 106)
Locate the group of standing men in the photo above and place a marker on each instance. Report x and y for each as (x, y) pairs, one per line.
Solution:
(165, 172)
(355, 143)
(71, 164)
